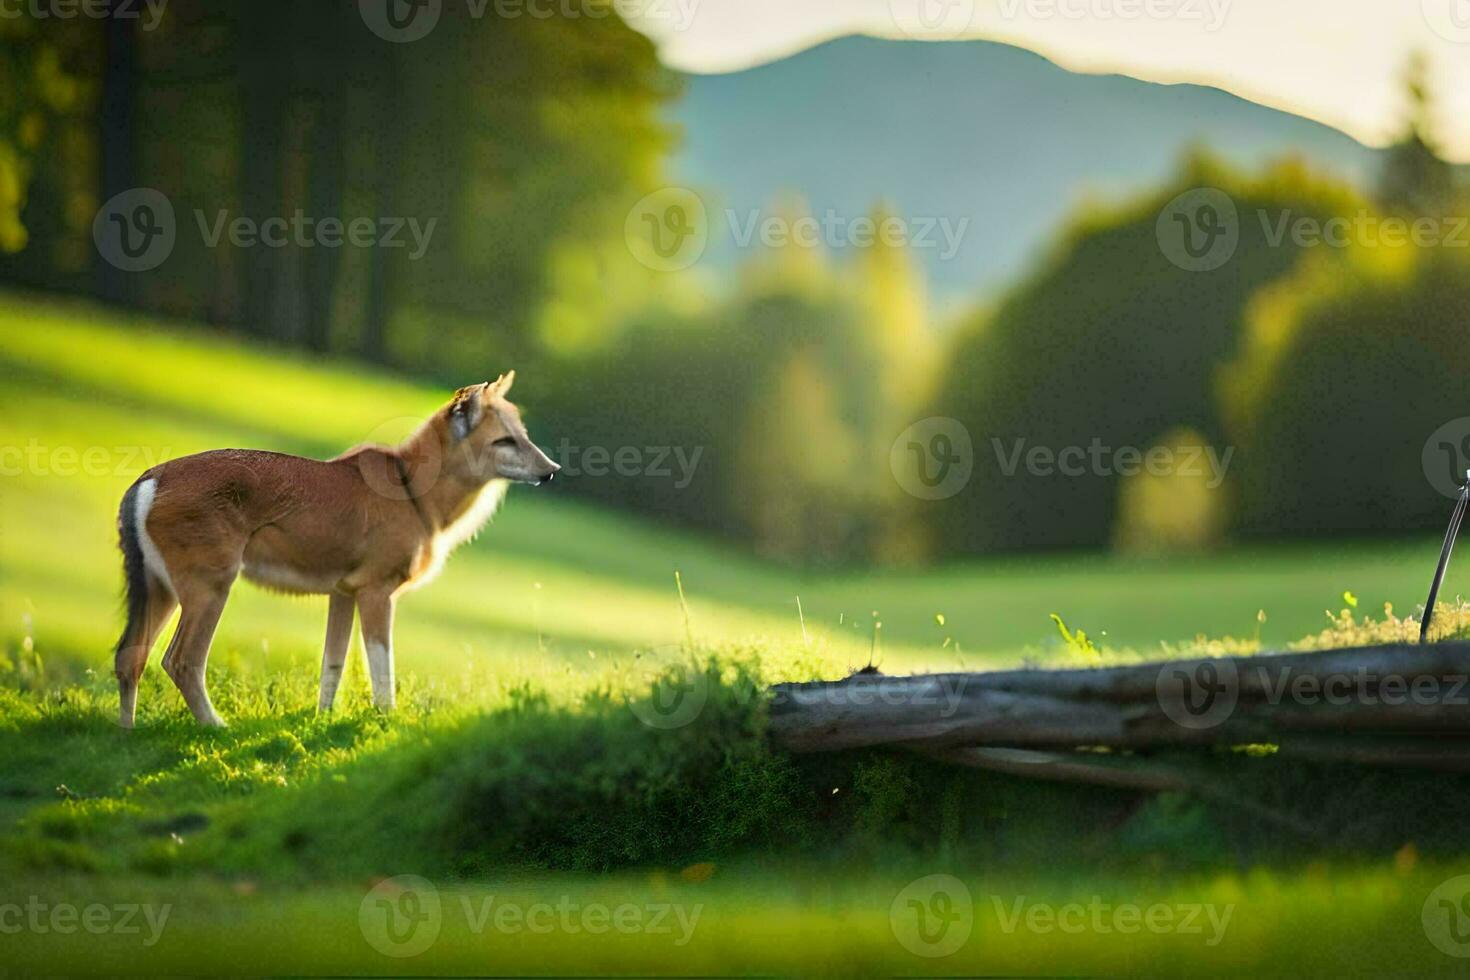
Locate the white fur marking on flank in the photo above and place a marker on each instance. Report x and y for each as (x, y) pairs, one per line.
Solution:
(152, 558)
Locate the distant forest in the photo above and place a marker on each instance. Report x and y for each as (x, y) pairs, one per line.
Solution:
(492, 165)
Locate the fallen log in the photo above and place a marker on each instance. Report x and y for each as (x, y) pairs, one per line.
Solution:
(1327, 705)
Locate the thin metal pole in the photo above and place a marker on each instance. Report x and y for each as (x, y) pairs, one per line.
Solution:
(1444, 558)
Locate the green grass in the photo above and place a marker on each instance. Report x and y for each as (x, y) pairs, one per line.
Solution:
(551, 579)
(515, 769)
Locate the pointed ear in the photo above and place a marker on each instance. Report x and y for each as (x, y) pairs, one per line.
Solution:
(503, 383)
(466, 411)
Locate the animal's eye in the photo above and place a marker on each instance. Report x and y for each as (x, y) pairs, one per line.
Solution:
(504, 441)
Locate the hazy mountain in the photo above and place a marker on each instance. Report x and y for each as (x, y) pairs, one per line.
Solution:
(961, 130)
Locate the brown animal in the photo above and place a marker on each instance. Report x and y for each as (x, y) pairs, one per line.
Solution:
(360, 528)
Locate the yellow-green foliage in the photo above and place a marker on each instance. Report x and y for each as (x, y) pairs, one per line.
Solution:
(1183, 509)
(1350, 366)
(1109, 342)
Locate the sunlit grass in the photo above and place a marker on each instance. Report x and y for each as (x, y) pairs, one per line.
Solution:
(266, 837)
(550, 578)
(749, 921)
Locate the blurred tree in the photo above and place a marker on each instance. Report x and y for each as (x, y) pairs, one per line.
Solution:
(515, 136)
(527, 138)
(891, 289)
(1110, 343)
(799, 495)
(48, 91)
(1180, 507)
(1345, 400)
(781, 390)
(1415, 180)
(116, 132)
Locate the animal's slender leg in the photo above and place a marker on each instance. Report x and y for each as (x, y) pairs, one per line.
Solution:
(375, 607)
(340, 611)
(188, 652)
(132, 654)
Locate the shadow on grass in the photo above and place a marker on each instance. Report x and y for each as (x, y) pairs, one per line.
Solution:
(663, 774)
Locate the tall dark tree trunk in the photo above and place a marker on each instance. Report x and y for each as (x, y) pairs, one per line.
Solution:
(262, 94)
(388, 102)
(116, 122)
(326, 174)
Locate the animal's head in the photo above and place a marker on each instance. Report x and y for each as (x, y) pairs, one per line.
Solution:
(486, 438)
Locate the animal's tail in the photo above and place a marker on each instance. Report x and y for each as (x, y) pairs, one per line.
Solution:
(135, 572)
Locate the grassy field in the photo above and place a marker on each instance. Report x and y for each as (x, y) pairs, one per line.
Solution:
(515, 777)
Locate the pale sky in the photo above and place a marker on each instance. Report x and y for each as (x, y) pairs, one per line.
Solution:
(1337, 61)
